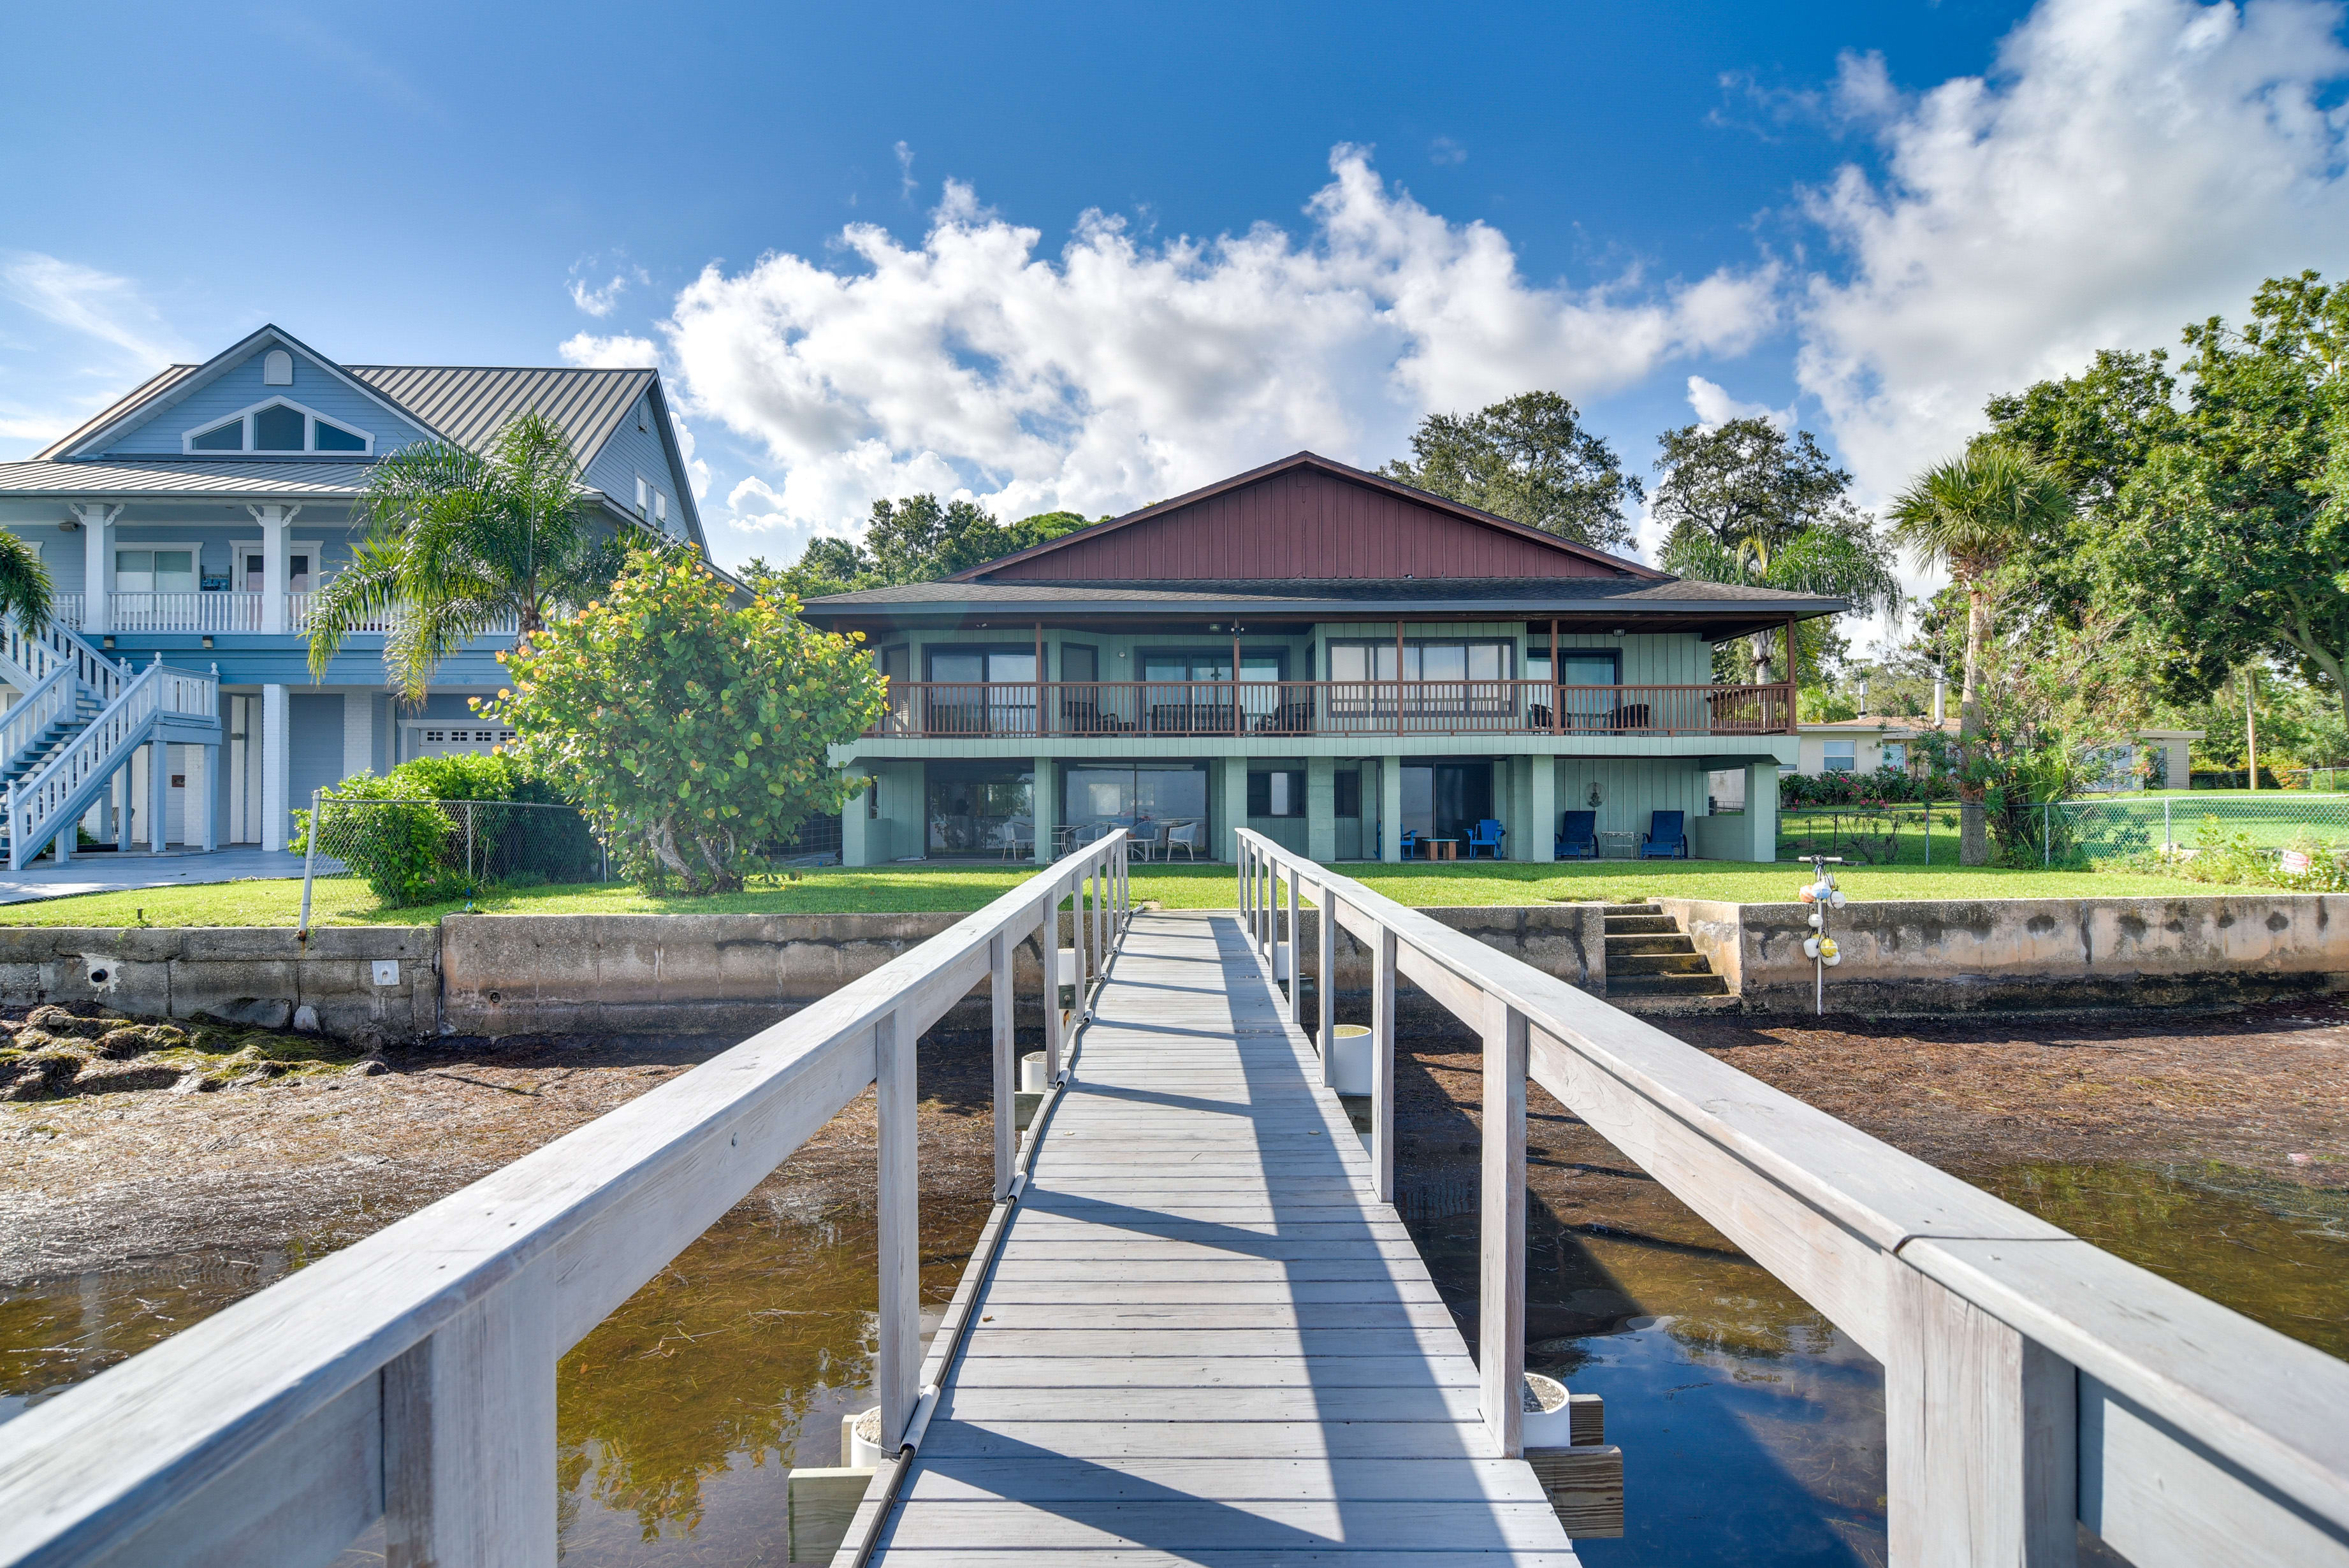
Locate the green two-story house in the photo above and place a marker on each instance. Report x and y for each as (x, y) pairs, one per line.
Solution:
(1353, 667)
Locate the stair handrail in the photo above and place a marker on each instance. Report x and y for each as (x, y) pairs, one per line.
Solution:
(35, 801)
(34, 655)
(35, 711)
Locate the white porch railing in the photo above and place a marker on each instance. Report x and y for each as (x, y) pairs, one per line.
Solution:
(2031, 1379)
(66, 608)
(28, 659)
(411, 1377)
(299, 607)
(214, 611)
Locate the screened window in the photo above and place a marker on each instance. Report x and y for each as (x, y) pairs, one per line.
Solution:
(1349, 795)
(155, 571)
(278, 428)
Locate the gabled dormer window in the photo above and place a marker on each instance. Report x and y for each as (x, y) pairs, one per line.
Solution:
(280, 427)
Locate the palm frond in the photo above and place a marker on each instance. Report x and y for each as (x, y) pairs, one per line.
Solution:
(25, 589)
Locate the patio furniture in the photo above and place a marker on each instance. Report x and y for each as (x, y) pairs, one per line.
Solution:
(1018, 840)
(1667, 837)
(1578, 836)
(1486, 836)
(1183, 836)
(1630, 716)
(1614, 845)
(1410, 843)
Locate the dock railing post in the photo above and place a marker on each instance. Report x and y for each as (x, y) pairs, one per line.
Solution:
(1325, 971)
(1296, 957)
(1383, 1066)
(1077, 947)
(1240, 871)
(469, 1443)
(1981, 1437)
(1501, 1273)
(897, 1366)
(1048, 939)
(1007, 1136)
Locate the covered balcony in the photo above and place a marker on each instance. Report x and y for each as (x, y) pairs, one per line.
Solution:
(211, 610)
(1036, 710)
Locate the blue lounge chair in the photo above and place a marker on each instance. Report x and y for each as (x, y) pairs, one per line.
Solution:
(1487, 835)
(1578, 836)
(1667, 837)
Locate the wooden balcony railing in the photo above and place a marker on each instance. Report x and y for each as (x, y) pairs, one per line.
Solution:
(928, 710)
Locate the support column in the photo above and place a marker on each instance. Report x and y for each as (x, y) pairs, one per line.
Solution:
(1044, 801)
(158, 795)
(273, 521)
(1762, 810)
(1541, 805)
(276, 777)
(1321, 808)
(118, 795)
(211, 764)
(1391, 810)
(98, 567)
(856, 848)
(1234, 805)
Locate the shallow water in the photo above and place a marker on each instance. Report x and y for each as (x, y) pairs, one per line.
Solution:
(1751, 1428)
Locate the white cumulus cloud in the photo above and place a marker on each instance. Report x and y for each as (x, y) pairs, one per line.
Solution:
(620, 352)
(1714, 407)
(1123, 369)
(2128, 166)
(84, 300)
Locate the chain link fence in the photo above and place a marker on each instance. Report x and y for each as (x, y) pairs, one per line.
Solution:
(360, 854)
(2070, 832)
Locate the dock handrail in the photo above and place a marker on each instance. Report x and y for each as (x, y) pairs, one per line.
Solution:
(2031, 1378)
(411, 1377)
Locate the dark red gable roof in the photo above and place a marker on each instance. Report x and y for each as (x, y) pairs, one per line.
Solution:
(1303, 518)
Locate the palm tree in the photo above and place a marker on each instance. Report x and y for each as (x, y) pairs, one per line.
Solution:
(460, 541)
(1838, 558)
(24, 582)
(1970, 515)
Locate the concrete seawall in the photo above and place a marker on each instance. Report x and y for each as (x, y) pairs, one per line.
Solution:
(530, 975)
(2014, 954)
(358, 977)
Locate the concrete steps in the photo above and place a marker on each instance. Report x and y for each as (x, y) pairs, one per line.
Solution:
(1648, 955)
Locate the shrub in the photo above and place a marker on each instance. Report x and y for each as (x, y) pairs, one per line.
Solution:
(399, 847)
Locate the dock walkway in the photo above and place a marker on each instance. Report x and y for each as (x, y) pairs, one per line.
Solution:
(1202, 1339)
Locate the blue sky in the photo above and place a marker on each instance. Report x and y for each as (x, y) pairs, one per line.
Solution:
(1863, 218)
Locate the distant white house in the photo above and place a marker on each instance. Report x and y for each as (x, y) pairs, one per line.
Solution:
(1863, 745)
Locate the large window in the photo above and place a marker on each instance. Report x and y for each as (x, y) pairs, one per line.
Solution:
(982, 691)
(1841, 756)
(155, 571)
(980, 809)
(1587, 674)
(297, 571)
(1191, 692)
(1424, 660)
(1141, 797)
(279, 428)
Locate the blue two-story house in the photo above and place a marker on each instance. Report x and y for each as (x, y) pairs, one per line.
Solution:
(186, 529)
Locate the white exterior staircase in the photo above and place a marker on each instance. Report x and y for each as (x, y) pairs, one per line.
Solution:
(81, 718)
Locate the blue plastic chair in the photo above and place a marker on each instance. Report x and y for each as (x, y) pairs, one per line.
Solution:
(1667, 837)
(1578, 836)
(1410, 843)
(1487, 835)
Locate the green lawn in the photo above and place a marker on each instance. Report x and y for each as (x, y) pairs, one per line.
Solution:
(912, 888)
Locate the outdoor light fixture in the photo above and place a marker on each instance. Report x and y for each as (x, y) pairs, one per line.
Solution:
(68, 526)
(108, 645)
(208, 641)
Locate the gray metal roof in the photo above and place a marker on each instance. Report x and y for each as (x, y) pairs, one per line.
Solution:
(170, 476)
(469, 403)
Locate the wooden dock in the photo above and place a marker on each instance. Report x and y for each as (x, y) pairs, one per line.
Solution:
(1202, 1339)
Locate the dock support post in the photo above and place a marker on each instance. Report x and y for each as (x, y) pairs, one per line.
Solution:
(998, 987)
(1383, 1068)
(1982, 1461)
(1501, 1274)
(1325, 972)
(468, 1435)
(1296, 955)
(897, 1365)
